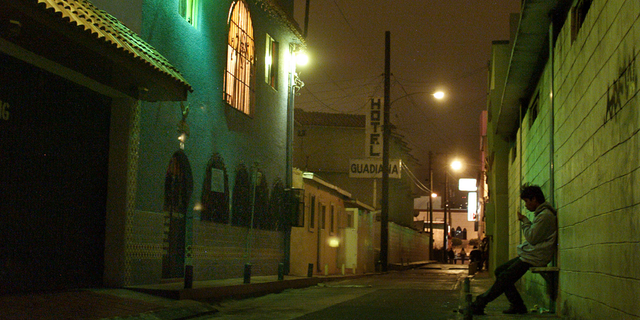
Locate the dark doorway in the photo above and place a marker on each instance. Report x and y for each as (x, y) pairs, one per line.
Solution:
(178, 187)
(54, 151)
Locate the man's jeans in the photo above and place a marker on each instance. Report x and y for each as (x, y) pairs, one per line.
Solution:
(506, 276)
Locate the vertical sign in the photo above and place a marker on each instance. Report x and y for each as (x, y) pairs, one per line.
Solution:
(373, 129)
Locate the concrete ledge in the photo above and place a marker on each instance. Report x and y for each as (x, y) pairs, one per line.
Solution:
(410, 265)
(544, 269)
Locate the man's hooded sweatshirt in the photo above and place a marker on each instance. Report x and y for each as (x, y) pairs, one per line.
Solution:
(540, 236)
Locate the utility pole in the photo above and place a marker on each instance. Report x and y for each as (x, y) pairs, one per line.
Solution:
(384, 213)
(444, 207)
(430, 207)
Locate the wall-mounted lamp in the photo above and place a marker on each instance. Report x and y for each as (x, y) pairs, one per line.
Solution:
(183, 128)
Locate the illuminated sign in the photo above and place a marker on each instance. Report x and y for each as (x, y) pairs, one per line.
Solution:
(467, 185)
(472, 206)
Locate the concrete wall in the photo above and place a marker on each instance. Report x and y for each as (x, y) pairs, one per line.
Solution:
(496, 208)
(407, 245)
(587, 127)
(597, 162)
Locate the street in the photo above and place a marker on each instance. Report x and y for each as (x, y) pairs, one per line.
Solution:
(431, 292)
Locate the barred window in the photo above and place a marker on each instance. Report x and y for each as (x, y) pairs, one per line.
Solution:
(238, 87)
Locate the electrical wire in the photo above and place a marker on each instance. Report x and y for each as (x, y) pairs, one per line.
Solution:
(416, 181)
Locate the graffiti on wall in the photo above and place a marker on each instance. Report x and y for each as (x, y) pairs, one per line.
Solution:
(623, 88)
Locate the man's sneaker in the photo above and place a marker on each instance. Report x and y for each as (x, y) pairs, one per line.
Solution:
(516, 310)
(477, 309)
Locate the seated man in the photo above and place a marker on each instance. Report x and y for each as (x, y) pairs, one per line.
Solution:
(537, 250)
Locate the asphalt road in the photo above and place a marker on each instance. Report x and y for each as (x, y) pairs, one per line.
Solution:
(427, 293)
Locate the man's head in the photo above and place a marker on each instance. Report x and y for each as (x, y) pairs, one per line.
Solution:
(532, 196)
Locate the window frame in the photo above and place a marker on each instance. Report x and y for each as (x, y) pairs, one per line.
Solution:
(189, 10)
(239, 77)
(271, 65)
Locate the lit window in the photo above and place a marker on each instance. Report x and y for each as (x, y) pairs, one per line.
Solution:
(189, 10)
(238, 88)
(271, 62)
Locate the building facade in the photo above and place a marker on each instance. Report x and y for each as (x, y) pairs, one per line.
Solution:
(334, 234)
(212, 170)
(128, 177)
(563, 115)
(324, 143)
(73, 82)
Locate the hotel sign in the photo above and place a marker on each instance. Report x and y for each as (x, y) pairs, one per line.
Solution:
(372, 168)
(373, 129)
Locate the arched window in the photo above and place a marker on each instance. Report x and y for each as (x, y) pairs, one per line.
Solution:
(215, 191)
(238, 79)
(241, 200)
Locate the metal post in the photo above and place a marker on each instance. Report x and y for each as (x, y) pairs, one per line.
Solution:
(247, 273)
(384, 215)
(280, 271)
(188, 277)
(468, 315)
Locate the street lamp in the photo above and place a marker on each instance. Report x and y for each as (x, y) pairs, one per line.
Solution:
(297, 57)
(455, 165)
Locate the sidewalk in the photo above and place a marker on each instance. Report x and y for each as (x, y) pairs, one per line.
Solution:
(172, 302)
(481, 282)
(149, 302)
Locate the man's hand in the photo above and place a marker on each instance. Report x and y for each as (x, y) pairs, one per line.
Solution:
(520, 216)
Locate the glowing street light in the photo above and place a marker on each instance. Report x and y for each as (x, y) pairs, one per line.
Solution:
(439, 95)
(456, 165)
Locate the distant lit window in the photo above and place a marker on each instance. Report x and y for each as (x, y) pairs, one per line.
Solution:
(534, 109)
(578, 15)
(271, 62)
(188, 9)
(238, 88)
(312, 212)
(332, 226)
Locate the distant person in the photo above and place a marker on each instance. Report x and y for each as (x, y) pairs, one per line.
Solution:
(537, 250)
(451, 256)
(463, 255)
(485, 254)
(475, 256)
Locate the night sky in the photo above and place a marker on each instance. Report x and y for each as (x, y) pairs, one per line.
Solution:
(435, 45)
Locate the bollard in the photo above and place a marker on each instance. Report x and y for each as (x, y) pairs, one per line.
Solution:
(188, 277)
(247, 273)
(468, 315)
(343, 269)
(310, 270)
(326, 269)
(281, 271)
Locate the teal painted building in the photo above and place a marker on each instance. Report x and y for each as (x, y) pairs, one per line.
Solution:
(212, 170)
